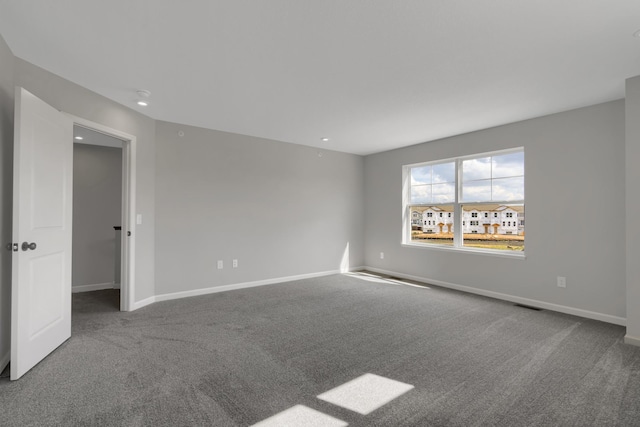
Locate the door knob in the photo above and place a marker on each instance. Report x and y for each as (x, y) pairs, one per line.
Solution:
(26, 246)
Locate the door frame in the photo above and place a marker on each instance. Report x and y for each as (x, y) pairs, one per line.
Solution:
(127, 243)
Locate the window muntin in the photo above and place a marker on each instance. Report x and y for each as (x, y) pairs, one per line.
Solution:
(489, 188)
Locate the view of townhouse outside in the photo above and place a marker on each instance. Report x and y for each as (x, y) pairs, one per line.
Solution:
(487, 226)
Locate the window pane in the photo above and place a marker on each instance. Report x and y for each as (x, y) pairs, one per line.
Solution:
(508, 165)
(427, 226)
(474, 169)
(421, 175)
(502, 228)
(444, 172)
(508, 189)
(443, 193)
(476, 191)
(420, 194)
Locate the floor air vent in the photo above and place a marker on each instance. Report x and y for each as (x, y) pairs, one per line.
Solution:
(528, 306)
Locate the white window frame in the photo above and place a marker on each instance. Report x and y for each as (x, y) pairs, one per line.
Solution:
(457, 206)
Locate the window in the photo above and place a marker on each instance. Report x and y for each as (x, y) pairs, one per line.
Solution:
(461, 190)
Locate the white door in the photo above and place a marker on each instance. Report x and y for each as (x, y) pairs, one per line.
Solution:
(42, 208)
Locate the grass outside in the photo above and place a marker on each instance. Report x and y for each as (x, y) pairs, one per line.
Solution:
(503, 242)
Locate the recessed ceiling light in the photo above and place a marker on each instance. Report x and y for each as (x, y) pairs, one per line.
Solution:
(79, 138)
(143, 97)
(324, 139)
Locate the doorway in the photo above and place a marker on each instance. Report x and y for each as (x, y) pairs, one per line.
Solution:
(115, 248)
(97, 216)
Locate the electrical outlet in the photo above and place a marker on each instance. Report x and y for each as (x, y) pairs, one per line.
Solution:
(235, 263)
(381, 255)
(220, 264)
(562, 282)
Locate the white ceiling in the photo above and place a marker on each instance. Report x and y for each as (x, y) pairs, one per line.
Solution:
(370, 75)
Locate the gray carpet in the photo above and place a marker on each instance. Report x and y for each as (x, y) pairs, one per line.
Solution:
(239, 357)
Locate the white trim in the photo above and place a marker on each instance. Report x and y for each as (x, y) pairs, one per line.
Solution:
(127, 251)
(224, 288)
(616, 320)
(490, 252)
(499, 152)
(145, 302)
(4, 361)
(128, 243)
(95, 287)
(111, 144)
(80, 121)
(632, 340)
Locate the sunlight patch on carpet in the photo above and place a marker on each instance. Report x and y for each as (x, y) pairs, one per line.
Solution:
(300, 415)
(366, 393)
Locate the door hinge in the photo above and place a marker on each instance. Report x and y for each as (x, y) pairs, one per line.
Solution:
(12, 247)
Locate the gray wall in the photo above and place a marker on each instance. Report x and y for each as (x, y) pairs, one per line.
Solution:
(575, 209)
(6, 185)
(74, 99)
(97, 207)
(278, 208)
(632, 122)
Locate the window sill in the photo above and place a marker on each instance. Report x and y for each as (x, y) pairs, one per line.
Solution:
(494, 253)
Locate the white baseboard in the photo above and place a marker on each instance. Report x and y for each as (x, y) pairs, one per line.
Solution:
(4, 361)
(512, 298)
(143, 303)
(94, 287)
(224, 288)
(632, 340)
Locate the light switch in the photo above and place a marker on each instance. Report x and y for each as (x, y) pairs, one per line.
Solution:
(139, 219)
